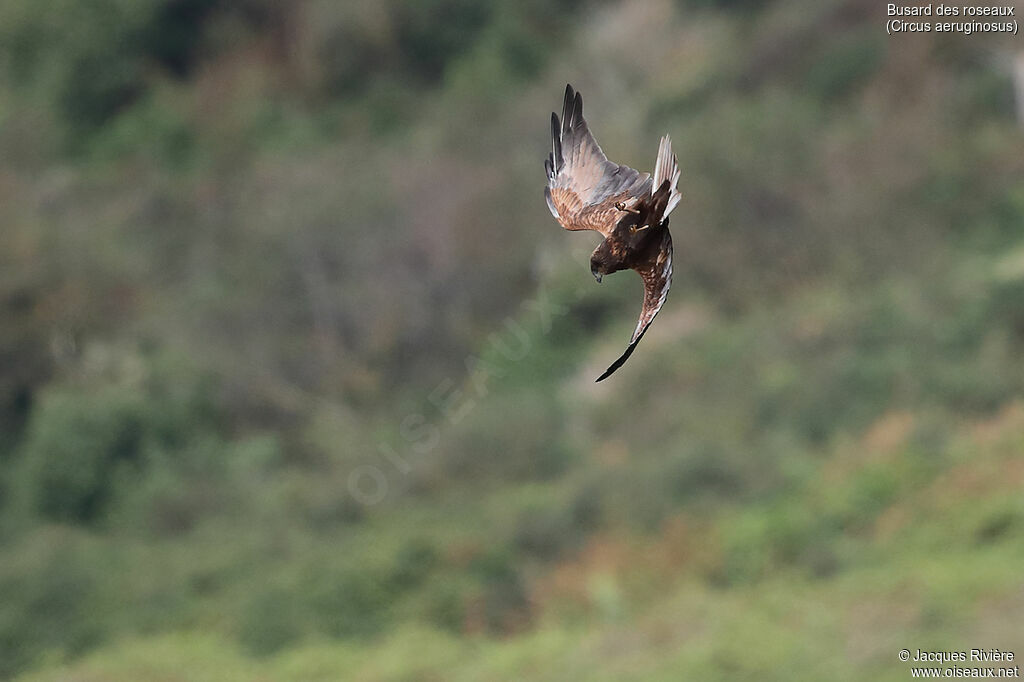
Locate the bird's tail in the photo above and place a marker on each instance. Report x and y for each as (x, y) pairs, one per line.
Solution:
(667, 168)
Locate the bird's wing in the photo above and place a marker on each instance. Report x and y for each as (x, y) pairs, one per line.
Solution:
(657, 276)
(583, 185)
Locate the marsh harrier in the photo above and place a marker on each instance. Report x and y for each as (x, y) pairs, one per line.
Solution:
(586, 191)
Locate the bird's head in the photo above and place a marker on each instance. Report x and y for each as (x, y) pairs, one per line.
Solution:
(603, 262)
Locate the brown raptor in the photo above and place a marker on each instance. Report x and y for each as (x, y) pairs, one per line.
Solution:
(586, 191)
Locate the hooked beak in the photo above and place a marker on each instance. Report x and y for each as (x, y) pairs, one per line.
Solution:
(596, 274)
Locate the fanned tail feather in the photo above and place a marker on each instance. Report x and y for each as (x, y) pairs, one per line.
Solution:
(667, 168)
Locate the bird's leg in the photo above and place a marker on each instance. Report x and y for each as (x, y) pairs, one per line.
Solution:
(634, 229)
(625, 209)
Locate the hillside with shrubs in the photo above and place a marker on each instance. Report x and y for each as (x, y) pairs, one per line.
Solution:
(297, 370)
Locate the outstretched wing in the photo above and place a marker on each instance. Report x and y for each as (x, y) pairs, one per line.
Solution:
(583, 185)
(657, 276)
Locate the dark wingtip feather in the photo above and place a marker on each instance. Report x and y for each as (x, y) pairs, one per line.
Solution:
(556, 143)
(608, 372)
(615, 365)
(577, 110)
(567, 104)
(622, 358)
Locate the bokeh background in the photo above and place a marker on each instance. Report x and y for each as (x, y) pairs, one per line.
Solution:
(296, 369)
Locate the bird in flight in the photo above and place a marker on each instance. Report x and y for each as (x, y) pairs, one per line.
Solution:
(586, 191)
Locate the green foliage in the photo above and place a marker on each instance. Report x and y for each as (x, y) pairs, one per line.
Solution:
(75, 451)
(413, 564)
(547, 533)
(488, 445)
(271, 621)
(502, 605)
(81, 453)
(349, 603)
(92, 62)
(57, 609)
(428, 44)
(282, 237)
(707, 471)
(847, 64)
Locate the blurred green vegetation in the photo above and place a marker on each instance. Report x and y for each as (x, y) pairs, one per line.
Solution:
(251, 249)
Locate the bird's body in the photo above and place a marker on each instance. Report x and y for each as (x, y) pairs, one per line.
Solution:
(586, 191)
